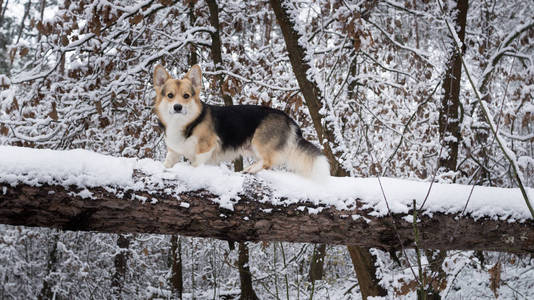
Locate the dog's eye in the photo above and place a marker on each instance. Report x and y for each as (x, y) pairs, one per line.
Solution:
(170, 95)
(186, 96)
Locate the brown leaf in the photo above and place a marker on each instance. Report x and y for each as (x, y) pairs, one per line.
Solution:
(98, 106)
(166, 2)
(357, 43)
(406, 287)
(23, 51)
(495, 278)
(53, 113)
(12, 54)
(104, 122)
(526, 120)
(4, 130)
(64, 40)
(41, 28)
(136, 19)
(13, 107)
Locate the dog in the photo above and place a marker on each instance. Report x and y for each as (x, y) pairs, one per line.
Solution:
(210, 134)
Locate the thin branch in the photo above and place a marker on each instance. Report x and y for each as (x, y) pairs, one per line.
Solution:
(273, 87)
(422, 55)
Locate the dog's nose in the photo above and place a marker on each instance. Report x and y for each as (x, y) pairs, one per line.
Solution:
(177, 107)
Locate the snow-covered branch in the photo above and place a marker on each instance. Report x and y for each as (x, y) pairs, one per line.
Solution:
(82, 190)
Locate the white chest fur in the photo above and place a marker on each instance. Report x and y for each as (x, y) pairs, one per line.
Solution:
(175, 140)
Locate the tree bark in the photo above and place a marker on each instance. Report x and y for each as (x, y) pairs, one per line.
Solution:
(193, 57)
(245, 277)
(120, 262)
(2, 12)
(176, 266)
(309, 89)
(450, 136)
(216, 53)
(365, 268)
(449, 119)
(112, 210)
(46, 290)
(26, 13)
(317, 263)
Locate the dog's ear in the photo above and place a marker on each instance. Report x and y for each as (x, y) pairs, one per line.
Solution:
(195, 75)
(160, 76)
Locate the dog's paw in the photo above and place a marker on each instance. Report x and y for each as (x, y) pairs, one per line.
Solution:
(254, 168)
(168, 164)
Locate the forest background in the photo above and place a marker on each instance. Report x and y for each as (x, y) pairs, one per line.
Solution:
(387, 88)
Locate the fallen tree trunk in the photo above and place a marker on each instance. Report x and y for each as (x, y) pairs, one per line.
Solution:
(193, 213)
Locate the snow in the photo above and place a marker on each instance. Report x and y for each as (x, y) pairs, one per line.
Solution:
(88, 169)
(72, 167)
(447, 198)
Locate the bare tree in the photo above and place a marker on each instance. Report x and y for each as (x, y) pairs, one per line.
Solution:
(247, 291)
(449, 118)
(312, 95)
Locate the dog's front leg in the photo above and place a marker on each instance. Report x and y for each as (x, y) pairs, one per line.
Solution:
(203, 153)
(171, 159)
(201, 158)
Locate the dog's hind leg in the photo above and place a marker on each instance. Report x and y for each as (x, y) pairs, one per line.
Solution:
(267, 143)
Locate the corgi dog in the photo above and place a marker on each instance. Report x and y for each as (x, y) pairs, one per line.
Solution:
(209, 134)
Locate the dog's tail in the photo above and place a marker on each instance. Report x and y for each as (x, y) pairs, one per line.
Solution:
(306, 159)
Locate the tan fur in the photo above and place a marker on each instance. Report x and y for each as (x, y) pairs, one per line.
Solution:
(207, 139)
(265, 141)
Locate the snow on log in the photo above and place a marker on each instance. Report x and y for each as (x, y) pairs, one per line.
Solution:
(83, 190)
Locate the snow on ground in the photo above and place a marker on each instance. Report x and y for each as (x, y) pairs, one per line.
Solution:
(88, 169)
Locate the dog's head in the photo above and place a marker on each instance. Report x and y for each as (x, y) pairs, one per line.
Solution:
(177, 98)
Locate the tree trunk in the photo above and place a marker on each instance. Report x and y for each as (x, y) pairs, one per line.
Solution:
(449, 119)
(365, 268)
(216, 55)
(245, 277)
(2, 12)
(112, 210)
(450, 137)
(46, 290)
(193, 57)
(314, 99)
(247, 291)
(120, 262)
(309, 89)
(41, 15)
(26, 13)
(317, 263)
(176, 266)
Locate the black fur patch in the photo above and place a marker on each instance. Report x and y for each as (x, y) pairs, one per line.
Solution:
(235, 125)
(188, 131)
